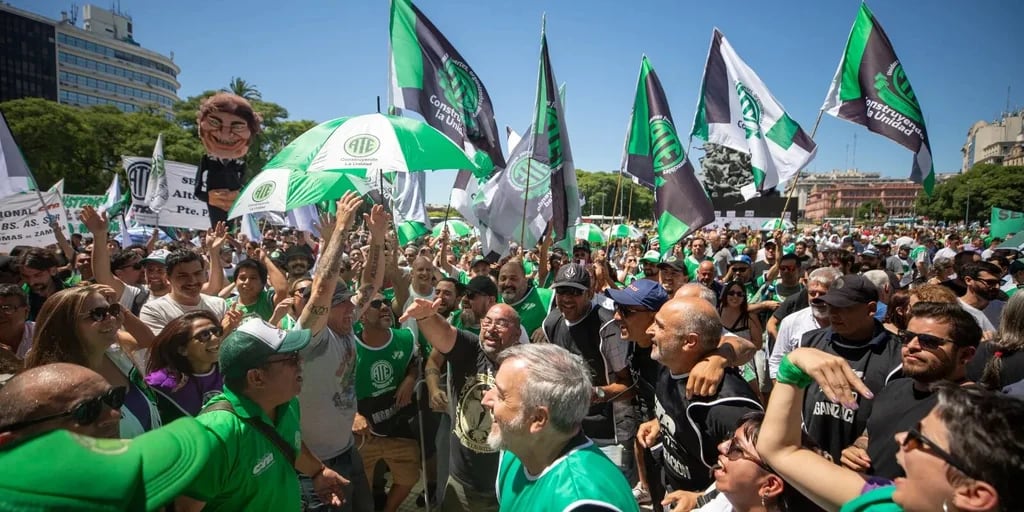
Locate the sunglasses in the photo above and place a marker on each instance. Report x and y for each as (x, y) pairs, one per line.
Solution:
(290, 359)
(734, 452)
(101, 313)
(915, 440)
(376, 303)
(787, 268)
(625, 312)
(300, 290)
(926, 340)
(989, 282)
(206, 335)
(84, 413)
(567, 290)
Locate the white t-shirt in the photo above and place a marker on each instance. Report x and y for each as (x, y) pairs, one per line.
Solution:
(157, 313)
(791, 329)
(328, 398)
(983, 321)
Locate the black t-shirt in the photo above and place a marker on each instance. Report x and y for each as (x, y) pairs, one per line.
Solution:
(957, 285)
(876, 362)
(898, 408)
(760, 267)
(472, 462)
(689, 453)
(1013, 365)
(645, 377)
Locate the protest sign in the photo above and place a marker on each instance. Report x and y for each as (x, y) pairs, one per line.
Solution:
(182, 209)
(24, 221)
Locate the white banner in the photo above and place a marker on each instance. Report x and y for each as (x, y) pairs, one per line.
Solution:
(23, 221)
(74, 204)
(182, 209)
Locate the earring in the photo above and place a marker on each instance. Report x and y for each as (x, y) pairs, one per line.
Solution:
(764, 503)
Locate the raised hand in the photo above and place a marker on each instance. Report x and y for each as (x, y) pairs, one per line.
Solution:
(94, 221)
(421, 309)
(377, 221)
(347, 206)
(216, 237)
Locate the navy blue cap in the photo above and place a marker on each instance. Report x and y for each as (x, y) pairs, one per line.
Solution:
(642, 292)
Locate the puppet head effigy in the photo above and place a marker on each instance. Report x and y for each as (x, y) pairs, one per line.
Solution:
(227, 123)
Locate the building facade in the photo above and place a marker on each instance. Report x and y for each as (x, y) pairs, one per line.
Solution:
(843, 200)
(98, 63)
(991, 143)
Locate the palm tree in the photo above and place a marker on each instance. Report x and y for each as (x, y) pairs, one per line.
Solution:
(244, 89)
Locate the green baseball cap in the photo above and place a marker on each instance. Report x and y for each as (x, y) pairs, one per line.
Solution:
(252, 343)
(652, 257)
(60, 470)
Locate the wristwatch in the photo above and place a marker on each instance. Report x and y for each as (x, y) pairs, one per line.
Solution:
(599, 393)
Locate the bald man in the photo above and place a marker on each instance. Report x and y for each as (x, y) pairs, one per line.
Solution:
(59, 396)
(684, 333)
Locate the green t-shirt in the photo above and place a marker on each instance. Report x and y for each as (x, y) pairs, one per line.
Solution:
(456, 320)
(379, 370)
(876, 500)
(263, 307)
(533, 308)
(246, 471)
(584, 475)
(692, 264)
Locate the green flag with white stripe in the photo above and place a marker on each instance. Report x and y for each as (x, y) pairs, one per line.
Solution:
(738, 111)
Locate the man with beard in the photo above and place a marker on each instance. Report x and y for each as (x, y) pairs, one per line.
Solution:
(473, 463)
(538, 401)
(530, 303)
(939, 341)
(635, 307)
(298, 259)
(480, 294)
(185, 269)
(872, 351)
(648, 267)
(385, 374)
(982, 280)
(59, 396)
(38, 269)
(793, 327)
(155, 266)
(589, 331)
(685, 331)
(328, 398)
(672, 272)
(127, 266)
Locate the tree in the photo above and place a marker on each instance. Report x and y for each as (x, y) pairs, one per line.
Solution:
(240, 87)
(634, 201)
(974, 193)
(870, 209)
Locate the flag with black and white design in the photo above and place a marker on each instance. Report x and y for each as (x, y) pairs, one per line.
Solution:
(737, 110)
(871, 88)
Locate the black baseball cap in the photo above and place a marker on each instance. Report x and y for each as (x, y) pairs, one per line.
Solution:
(482, 285)
(672, 262)
(572, 275)
(849, 290)
(582, 246)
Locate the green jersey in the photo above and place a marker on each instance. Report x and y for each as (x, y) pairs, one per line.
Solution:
(247, 471)
(379, 372)
(581, 476)
(263, 307)
(456, 320)
(533, 308)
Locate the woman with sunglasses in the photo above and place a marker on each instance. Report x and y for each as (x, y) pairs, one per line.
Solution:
(182, 367)
(80, 326)
(286, 313)
(966, 454)
(744, 482)
(737, 319)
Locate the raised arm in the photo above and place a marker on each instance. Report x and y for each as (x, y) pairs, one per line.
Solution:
(708, 373)
(97, 224)
(153, 238)
(437, 331)
(372, 278)
(278, 281)
(214, 240)
(63, 243)
(314, 315)
(779, 443)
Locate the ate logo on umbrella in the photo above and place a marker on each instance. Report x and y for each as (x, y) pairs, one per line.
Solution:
(264, 191)
(362, 145)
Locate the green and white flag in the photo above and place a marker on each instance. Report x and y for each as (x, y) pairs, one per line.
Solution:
(654, 154)
(1005, 222)
(410, 206)
(871, 89)
(738, 111)
(430, 77)
(157, 191)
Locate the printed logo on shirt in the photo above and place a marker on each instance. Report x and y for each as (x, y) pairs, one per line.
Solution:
(381, 374)
(265, 462)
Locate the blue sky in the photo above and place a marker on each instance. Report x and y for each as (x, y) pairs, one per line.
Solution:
(324, 59)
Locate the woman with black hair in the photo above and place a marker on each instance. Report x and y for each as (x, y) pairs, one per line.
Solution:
(183, 364)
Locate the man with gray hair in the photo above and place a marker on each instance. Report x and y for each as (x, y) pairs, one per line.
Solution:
(800, 322)
(540, 395)
(684, 332)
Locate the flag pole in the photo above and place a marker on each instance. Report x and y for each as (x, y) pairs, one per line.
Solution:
(526, 199)
(796, 179)
(618, 187)
(629, 214)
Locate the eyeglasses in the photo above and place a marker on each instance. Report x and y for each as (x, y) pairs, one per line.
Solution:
(926, 340)
(734, 452)
(915, 440)
(101, 313)
(568, 290)
(7, 309)
(625, 312)
(290, 359)
(501, 322)
(206, 335)
(84, 413)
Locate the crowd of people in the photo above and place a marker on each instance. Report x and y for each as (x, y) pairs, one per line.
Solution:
(821, 368)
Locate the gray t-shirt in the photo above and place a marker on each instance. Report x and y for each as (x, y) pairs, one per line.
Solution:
(328, 397)
(156, 314)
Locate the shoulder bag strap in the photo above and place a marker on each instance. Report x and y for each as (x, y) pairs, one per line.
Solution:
(268, 432)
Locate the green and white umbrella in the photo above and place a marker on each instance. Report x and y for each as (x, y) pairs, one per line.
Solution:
(623, 231)
(371, 142)
(456, 229)
(280, 190)
(773, 224)
(590, 233)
